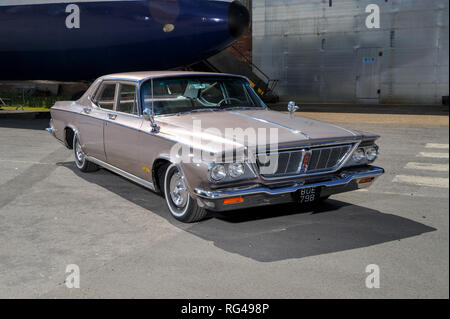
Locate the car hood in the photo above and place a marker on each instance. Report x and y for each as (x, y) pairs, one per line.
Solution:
(213, 129)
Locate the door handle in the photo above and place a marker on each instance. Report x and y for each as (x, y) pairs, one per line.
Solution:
(87, 110)
(112, 116)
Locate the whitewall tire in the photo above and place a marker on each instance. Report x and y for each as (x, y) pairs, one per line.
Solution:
(179, 201)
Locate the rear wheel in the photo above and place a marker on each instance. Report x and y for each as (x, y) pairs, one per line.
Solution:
(180, 203)
(80, 158)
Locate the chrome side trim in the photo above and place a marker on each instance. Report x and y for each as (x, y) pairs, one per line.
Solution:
(343, 179)
(121, 172)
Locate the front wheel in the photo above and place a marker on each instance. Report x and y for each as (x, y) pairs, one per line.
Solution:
(181, 205)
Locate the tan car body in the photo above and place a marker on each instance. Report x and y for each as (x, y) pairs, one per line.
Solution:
(128, 145)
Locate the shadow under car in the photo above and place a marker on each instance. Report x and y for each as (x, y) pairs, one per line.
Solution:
(274, 233)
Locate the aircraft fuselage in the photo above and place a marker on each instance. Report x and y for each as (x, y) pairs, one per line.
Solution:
(81, 39)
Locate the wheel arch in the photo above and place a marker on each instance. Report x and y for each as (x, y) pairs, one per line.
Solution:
(159, 163)
(69, 133)
(157, 167)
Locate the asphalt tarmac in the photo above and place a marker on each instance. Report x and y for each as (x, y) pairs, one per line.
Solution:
(127, 246)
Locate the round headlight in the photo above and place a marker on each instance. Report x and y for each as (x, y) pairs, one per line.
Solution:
(236, 170)
(372, 153)
(218, 172)
(359, 155)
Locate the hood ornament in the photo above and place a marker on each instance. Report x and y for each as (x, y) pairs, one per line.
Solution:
(292, 108)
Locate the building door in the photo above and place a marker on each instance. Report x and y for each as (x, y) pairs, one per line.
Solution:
(368, 76)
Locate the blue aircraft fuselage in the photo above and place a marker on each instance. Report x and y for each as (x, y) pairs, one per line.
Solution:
(80, 40)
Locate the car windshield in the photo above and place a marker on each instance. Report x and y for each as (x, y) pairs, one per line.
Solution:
(195, 94)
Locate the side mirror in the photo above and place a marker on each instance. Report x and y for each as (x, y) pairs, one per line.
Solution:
(147, 114)
(292, 108)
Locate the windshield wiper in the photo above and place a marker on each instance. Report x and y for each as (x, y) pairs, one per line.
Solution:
(233, 108)
(209, 109)
(199, 111)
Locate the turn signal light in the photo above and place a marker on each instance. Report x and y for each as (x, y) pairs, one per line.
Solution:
(235, 200)
(366, 180)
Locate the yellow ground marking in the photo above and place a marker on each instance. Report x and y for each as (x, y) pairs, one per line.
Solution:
(26, 108)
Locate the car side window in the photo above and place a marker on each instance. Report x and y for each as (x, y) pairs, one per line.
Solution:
(127, 99)
(106, 96)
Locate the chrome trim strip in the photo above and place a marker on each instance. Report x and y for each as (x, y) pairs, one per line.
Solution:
(121, 172)
(257, 189)
(317, 144)
(106, 78)
(273, 123)
(343, 128)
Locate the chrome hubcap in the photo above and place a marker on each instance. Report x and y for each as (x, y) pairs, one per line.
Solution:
(178, 190)
(79, 152)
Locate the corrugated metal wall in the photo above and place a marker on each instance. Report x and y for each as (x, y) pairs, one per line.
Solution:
(323, 53)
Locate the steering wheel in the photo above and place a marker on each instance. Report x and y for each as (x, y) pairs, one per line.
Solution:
(228, 99)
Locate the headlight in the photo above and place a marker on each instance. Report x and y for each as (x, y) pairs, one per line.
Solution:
(218, 172)
(372, 153)
(236, 170)
(359, 155)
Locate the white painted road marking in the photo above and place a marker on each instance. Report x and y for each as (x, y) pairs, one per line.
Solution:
(433, 155)
(428, 167)
(25, 162)
(422, 181)
(434, 145)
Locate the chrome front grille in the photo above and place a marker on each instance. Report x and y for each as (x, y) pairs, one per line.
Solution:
(288, 164)
(304, 161)
(327, 158)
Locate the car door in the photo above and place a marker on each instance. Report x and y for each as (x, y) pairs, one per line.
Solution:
(122, 129)
(93, 119)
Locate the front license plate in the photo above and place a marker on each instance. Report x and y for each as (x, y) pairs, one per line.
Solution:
(308, 195)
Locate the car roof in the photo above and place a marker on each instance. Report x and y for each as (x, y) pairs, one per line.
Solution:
(140, 76)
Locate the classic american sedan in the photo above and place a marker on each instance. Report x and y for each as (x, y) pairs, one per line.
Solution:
(206, 142)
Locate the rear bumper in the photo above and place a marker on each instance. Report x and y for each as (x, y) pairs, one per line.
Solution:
(51, 130)
(258, 195)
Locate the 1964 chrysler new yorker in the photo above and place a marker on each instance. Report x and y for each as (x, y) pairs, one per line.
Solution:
(207, 142)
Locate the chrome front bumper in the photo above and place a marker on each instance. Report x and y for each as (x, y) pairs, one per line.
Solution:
(258, 195)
